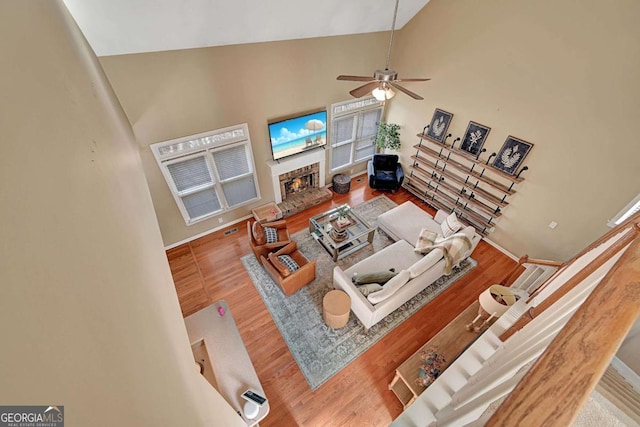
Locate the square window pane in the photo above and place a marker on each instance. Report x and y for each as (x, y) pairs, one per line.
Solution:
(342, 130)
(201, 203)
(240, 190)
(368, 123)
(231, 162)
(190, 173)
(364, 153)
(340, 156)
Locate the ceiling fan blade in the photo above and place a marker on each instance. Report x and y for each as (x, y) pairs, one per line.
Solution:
(355, 78)
(408, 92)
(364, 89)
(412, 80)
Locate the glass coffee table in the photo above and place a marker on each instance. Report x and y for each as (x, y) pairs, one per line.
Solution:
(341, 239)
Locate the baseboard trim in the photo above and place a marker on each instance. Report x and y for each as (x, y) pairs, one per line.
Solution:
(501, 249)
(204, 233)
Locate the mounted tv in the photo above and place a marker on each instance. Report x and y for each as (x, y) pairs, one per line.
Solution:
(297, 134)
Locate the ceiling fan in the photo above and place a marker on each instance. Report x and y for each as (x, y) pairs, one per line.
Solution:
(383, 80)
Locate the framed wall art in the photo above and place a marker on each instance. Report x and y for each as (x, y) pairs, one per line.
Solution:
(512, 155)
(474, 138)
(439, 124)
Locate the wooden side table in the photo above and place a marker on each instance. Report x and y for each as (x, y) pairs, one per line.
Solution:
(450, 342)
(336, 306)
(267, 213)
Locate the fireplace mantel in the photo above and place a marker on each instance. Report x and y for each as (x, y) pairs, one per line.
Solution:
(292, 163)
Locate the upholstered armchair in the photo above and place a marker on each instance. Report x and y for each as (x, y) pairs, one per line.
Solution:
(267, 237)
(385, 173)
(290, 276)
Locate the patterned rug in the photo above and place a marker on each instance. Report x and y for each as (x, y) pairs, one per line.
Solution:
(321, 351)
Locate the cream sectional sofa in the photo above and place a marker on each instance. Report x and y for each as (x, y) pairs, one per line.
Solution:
(415, 271)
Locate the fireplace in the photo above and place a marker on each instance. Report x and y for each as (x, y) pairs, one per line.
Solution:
(299, 180)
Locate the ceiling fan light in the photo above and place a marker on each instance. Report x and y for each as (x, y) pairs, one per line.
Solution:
(383, 93)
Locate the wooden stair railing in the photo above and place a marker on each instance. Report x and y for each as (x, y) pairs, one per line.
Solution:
(633, 232)
(562, 379)
(517, 269)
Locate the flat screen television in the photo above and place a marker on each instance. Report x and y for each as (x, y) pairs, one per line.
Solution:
(297, 134)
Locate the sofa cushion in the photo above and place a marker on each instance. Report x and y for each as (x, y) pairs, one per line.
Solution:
(386, 176)
(450, 225)
(399, 255)
(390, 288)
(405, 222)
(425, 263)
(385, 162)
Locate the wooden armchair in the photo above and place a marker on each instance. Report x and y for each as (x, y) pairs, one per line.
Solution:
(290, 281)
(257, 238)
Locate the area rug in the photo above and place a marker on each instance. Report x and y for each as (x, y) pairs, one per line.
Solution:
(319, 350)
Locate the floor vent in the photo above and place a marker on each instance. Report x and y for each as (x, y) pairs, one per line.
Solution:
(231, 231)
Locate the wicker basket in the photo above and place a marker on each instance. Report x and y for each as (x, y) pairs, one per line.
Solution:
(341, 183)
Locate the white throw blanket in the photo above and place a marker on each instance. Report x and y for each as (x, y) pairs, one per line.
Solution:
(455, 248)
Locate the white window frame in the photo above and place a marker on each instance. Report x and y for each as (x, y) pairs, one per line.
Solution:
(352, 109)
(205, 145)
(631, 208)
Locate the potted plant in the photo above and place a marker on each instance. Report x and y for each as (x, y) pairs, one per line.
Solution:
(388, 137)
(342, 214)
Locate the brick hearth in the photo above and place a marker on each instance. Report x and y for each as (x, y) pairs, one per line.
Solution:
(299, 202)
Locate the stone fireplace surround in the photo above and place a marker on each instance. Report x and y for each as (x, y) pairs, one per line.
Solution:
(299, 180)
(311, 164)
(287, 165)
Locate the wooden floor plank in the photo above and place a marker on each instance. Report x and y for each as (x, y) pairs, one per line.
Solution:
(209, 269)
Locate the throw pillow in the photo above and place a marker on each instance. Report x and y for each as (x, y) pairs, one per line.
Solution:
(450, 225)
(279, 265)
(270, 234)
(258, 233)
(390, 288)
(369, 288)
(291, 264)
(425, 239)
(380, 277)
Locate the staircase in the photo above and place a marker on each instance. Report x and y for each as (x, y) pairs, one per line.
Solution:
(533, 277)
(620, 392)
(491, 368)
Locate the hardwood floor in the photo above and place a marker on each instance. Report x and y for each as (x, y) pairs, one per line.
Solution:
(209, 269)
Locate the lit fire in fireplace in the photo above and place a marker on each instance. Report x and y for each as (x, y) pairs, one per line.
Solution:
(299, 180)
(296, 185)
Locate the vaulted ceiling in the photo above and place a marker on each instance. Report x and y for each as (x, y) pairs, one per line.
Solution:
(116, 27)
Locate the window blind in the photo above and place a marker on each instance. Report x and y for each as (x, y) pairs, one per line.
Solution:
(209, 173)
(190, 174)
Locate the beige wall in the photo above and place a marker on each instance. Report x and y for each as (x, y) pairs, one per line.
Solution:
(561, 75)
(89, 317)
(171, 94)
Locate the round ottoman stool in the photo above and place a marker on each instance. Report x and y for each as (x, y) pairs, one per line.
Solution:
(335, 308)
(341, 183)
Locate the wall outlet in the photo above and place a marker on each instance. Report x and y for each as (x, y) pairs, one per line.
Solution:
(220, 220)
